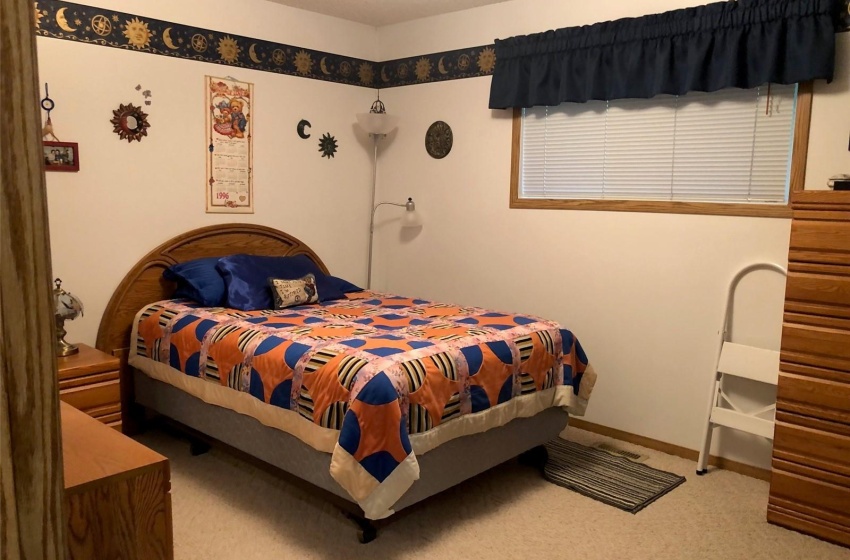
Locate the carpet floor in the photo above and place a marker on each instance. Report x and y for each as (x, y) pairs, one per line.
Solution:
(224, 508)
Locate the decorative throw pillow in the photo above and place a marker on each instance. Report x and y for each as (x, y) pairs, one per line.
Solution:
(288, 293)
(198, 280)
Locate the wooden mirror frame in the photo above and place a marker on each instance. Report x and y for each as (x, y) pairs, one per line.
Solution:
(119, 122)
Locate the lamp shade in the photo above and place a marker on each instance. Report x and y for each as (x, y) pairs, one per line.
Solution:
(412, 218)
(67, 305)
(377, 123)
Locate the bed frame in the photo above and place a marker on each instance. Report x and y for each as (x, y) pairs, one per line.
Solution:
(440, 469)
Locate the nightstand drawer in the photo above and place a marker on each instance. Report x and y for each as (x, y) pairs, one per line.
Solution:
(66, 384)
(88, 361)
(100, 398)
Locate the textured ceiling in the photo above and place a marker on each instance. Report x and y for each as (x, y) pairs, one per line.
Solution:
(384, 12)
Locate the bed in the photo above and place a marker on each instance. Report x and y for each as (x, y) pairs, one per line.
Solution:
(378, 399)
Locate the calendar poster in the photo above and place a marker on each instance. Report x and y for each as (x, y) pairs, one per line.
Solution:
(230, 148)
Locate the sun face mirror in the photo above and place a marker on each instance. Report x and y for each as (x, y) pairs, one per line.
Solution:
(130, 122)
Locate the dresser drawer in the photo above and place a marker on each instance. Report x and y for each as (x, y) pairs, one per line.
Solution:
(830, 289)
(821, 398)
(817, 346)
(815, 448)
(824, 241)
(790, 518)
(822, 500)
(99, 398)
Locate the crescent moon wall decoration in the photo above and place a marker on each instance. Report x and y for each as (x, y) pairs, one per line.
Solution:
(302, 124)
(441, 68)
(323, 65)
(166, 38)
(62, 21)
(252, 53)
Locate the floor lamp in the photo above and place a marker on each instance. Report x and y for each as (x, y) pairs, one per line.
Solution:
(378, 124)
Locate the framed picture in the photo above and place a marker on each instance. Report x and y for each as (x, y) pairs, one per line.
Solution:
(61, 156)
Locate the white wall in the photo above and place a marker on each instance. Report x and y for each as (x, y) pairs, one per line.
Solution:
(643, 292)
(128, 198)
(830, 130)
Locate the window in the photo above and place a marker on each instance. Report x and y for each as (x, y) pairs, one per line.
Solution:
(727, 152)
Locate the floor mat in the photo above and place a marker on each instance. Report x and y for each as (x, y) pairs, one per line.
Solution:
(605, 477)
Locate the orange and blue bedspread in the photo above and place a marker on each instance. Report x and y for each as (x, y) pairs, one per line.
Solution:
(381, 369)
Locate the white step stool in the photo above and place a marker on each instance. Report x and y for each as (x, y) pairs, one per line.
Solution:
(738, 360)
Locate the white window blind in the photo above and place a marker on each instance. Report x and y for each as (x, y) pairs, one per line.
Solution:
(728, 146)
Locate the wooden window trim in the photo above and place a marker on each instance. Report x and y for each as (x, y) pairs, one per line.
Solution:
(798, 177)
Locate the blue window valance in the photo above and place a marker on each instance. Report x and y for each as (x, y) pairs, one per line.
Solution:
(740, 44)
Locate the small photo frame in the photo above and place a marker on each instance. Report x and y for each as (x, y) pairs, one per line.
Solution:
(61, 156)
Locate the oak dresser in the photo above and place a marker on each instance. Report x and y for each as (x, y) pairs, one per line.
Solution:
(117, 493)
(810, 487)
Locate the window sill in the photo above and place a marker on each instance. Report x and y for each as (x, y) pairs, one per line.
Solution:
(706, 208)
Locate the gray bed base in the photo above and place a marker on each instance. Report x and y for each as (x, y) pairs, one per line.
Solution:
(445, 466)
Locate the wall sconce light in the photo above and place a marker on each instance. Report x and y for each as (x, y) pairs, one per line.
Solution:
(411, 218)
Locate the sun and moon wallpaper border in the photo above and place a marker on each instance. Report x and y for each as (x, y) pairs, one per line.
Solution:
(109, 28)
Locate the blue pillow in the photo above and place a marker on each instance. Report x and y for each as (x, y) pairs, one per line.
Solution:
(198, 280)
(344, 286)
(246, 279)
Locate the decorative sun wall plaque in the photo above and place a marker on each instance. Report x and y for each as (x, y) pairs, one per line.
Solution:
(328, 145)
(130, 122)
(439, 140)
(230, 181)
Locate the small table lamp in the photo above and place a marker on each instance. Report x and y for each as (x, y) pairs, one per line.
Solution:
(68, 307)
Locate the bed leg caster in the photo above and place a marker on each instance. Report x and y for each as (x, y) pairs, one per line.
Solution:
(701, 472)
(366, 531)
(535, 457)
(198, 447)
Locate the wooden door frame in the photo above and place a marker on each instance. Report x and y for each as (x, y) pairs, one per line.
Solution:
(31, 480)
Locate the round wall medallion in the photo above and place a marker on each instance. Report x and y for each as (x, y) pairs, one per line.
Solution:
(438, 140)
(130, 122)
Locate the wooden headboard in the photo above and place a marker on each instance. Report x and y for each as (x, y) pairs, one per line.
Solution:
(143, 284)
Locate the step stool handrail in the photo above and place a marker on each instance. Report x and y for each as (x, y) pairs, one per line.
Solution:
(730, 294)
(752, 425)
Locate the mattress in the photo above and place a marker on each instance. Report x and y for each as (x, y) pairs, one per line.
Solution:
(375, 379)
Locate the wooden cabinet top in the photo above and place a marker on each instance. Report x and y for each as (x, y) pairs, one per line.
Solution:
(93, 451)
(86, 362)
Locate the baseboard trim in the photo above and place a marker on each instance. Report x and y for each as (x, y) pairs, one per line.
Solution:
(678, 450)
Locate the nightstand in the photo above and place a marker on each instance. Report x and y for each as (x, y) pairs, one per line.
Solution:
(89, 381)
